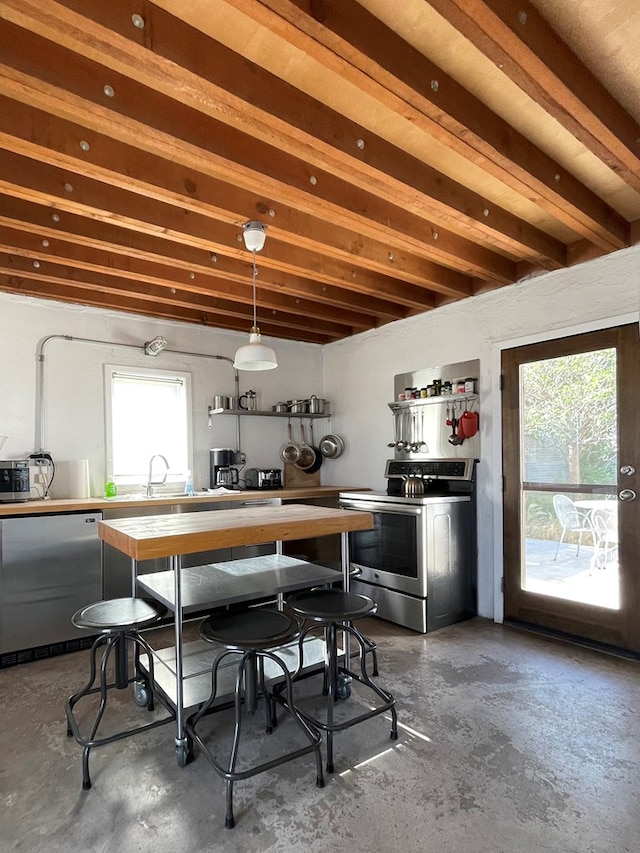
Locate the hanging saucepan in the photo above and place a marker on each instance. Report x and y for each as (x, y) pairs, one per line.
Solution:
(331, 446)
(319, 457)
(307, 457)
(290, 452)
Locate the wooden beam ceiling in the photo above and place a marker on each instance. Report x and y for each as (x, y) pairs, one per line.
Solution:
(136, 138)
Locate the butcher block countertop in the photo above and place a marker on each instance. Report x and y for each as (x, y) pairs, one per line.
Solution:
(91, 504)
(188, 533)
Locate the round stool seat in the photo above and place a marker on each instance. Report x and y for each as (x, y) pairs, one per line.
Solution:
(118, 614)
(249, 629)
(331, 605)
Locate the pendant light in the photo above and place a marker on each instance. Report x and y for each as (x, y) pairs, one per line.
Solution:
(255, 355)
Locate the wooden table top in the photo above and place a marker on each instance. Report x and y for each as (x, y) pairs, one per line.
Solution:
(147, 537)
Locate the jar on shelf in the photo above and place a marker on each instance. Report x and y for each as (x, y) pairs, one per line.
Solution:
(470, 385)
(459, 385)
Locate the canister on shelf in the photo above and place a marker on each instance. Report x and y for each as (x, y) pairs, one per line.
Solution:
(470, 385)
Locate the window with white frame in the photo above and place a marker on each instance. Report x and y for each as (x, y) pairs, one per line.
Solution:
(148, 413)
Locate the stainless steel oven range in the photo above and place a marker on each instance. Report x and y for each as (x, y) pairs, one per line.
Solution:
(418, 562)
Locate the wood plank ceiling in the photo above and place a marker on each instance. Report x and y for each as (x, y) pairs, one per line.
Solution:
(401, 154)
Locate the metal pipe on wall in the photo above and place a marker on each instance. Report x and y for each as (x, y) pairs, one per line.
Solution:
(39, 401)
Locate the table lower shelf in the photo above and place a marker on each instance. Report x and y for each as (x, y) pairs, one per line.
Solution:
(198, 657)
(221, 584)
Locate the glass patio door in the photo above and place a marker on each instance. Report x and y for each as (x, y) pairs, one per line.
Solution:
(571, 447)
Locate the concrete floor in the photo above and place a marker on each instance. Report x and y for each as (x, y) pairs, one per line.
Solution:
(508, 742)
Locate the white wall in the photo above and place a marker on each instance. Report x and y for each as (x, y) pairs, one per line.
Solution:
(74, 382)
(359, 372)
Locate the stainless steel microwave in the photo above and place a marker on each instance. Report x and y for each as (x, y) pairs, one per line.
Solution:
(14, 481)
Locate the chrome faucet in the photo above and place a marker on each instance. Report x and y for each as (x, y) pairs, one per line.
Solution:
(150, 482)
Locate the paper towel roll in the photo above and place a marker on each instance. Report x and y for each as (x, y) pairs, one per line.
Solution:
(78, 478)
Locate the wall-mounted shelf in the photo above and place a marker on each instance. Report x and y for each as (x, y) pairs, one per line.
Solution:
(257, 414)
(442, 399)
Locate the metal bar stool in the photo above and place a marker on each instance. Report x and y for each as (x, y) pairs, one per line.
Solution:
(251, 633)
(333, 610)
(118, 622)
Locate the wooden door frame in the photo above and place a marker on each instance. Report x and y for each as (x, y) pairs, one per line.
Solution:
(496, 442)
(613, 628)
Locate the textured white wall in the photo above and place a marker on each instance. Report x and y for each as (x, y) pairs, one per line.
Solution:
(359, 371)
(74, 383)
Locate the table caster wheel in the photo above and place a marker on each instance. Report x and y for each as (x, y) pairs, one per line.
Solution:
(141, 694)
(184, 752)
(343, 687)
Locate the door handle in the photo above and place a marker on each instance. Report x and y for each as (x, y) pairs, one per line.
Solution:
(628, 470)
(627, 495)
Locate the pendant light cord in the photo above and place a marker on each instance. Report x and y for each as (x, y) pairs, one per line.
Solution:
(255, 273)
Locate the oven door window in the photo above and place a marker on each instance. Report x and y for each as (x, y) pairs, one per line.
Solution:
(390, 546)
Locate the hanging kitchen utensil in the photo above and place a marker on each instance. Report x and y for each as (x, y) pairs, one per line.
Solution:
(307, 456)
(422, 441)
(290, 452)
(453, 438)
(469, 423)
(331, 445)
(404, 444)
(319, 457)
(394, 443)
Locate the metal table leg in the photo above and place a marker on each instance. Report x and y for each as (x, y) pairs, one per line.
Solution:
(182, 747)
(344, 556)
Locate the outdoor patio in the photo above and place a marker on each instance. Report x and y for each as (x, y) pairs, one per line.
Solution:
(585, 577)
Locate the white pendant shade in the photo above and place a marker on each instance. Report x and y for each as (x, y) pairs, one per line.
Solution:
(255, 355)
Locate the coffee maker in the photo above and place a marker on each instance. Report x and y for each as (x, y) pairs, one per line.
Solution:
(223, 472)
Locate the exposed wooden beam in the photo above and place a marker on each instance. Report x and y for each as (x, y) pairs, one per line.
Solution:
(518, 39)
(38, 182)
(169, 280)
(171, 58)
(47, 136)
(76, 229)
(344, 37)
(110, 293)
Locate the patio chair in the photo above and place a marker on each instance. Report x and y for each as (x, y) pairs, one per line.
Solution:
(573, 520)
(606, 526)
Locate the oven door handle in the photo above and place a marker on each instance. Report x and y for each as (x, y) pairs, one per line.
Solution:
(372, 506)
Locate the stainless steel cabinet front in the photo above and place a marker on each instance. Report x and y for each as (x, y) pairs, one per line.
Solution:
(50, 566)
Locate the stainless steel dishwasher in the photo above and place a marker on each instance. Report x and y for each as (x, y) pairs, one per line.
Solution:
(50, 566)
